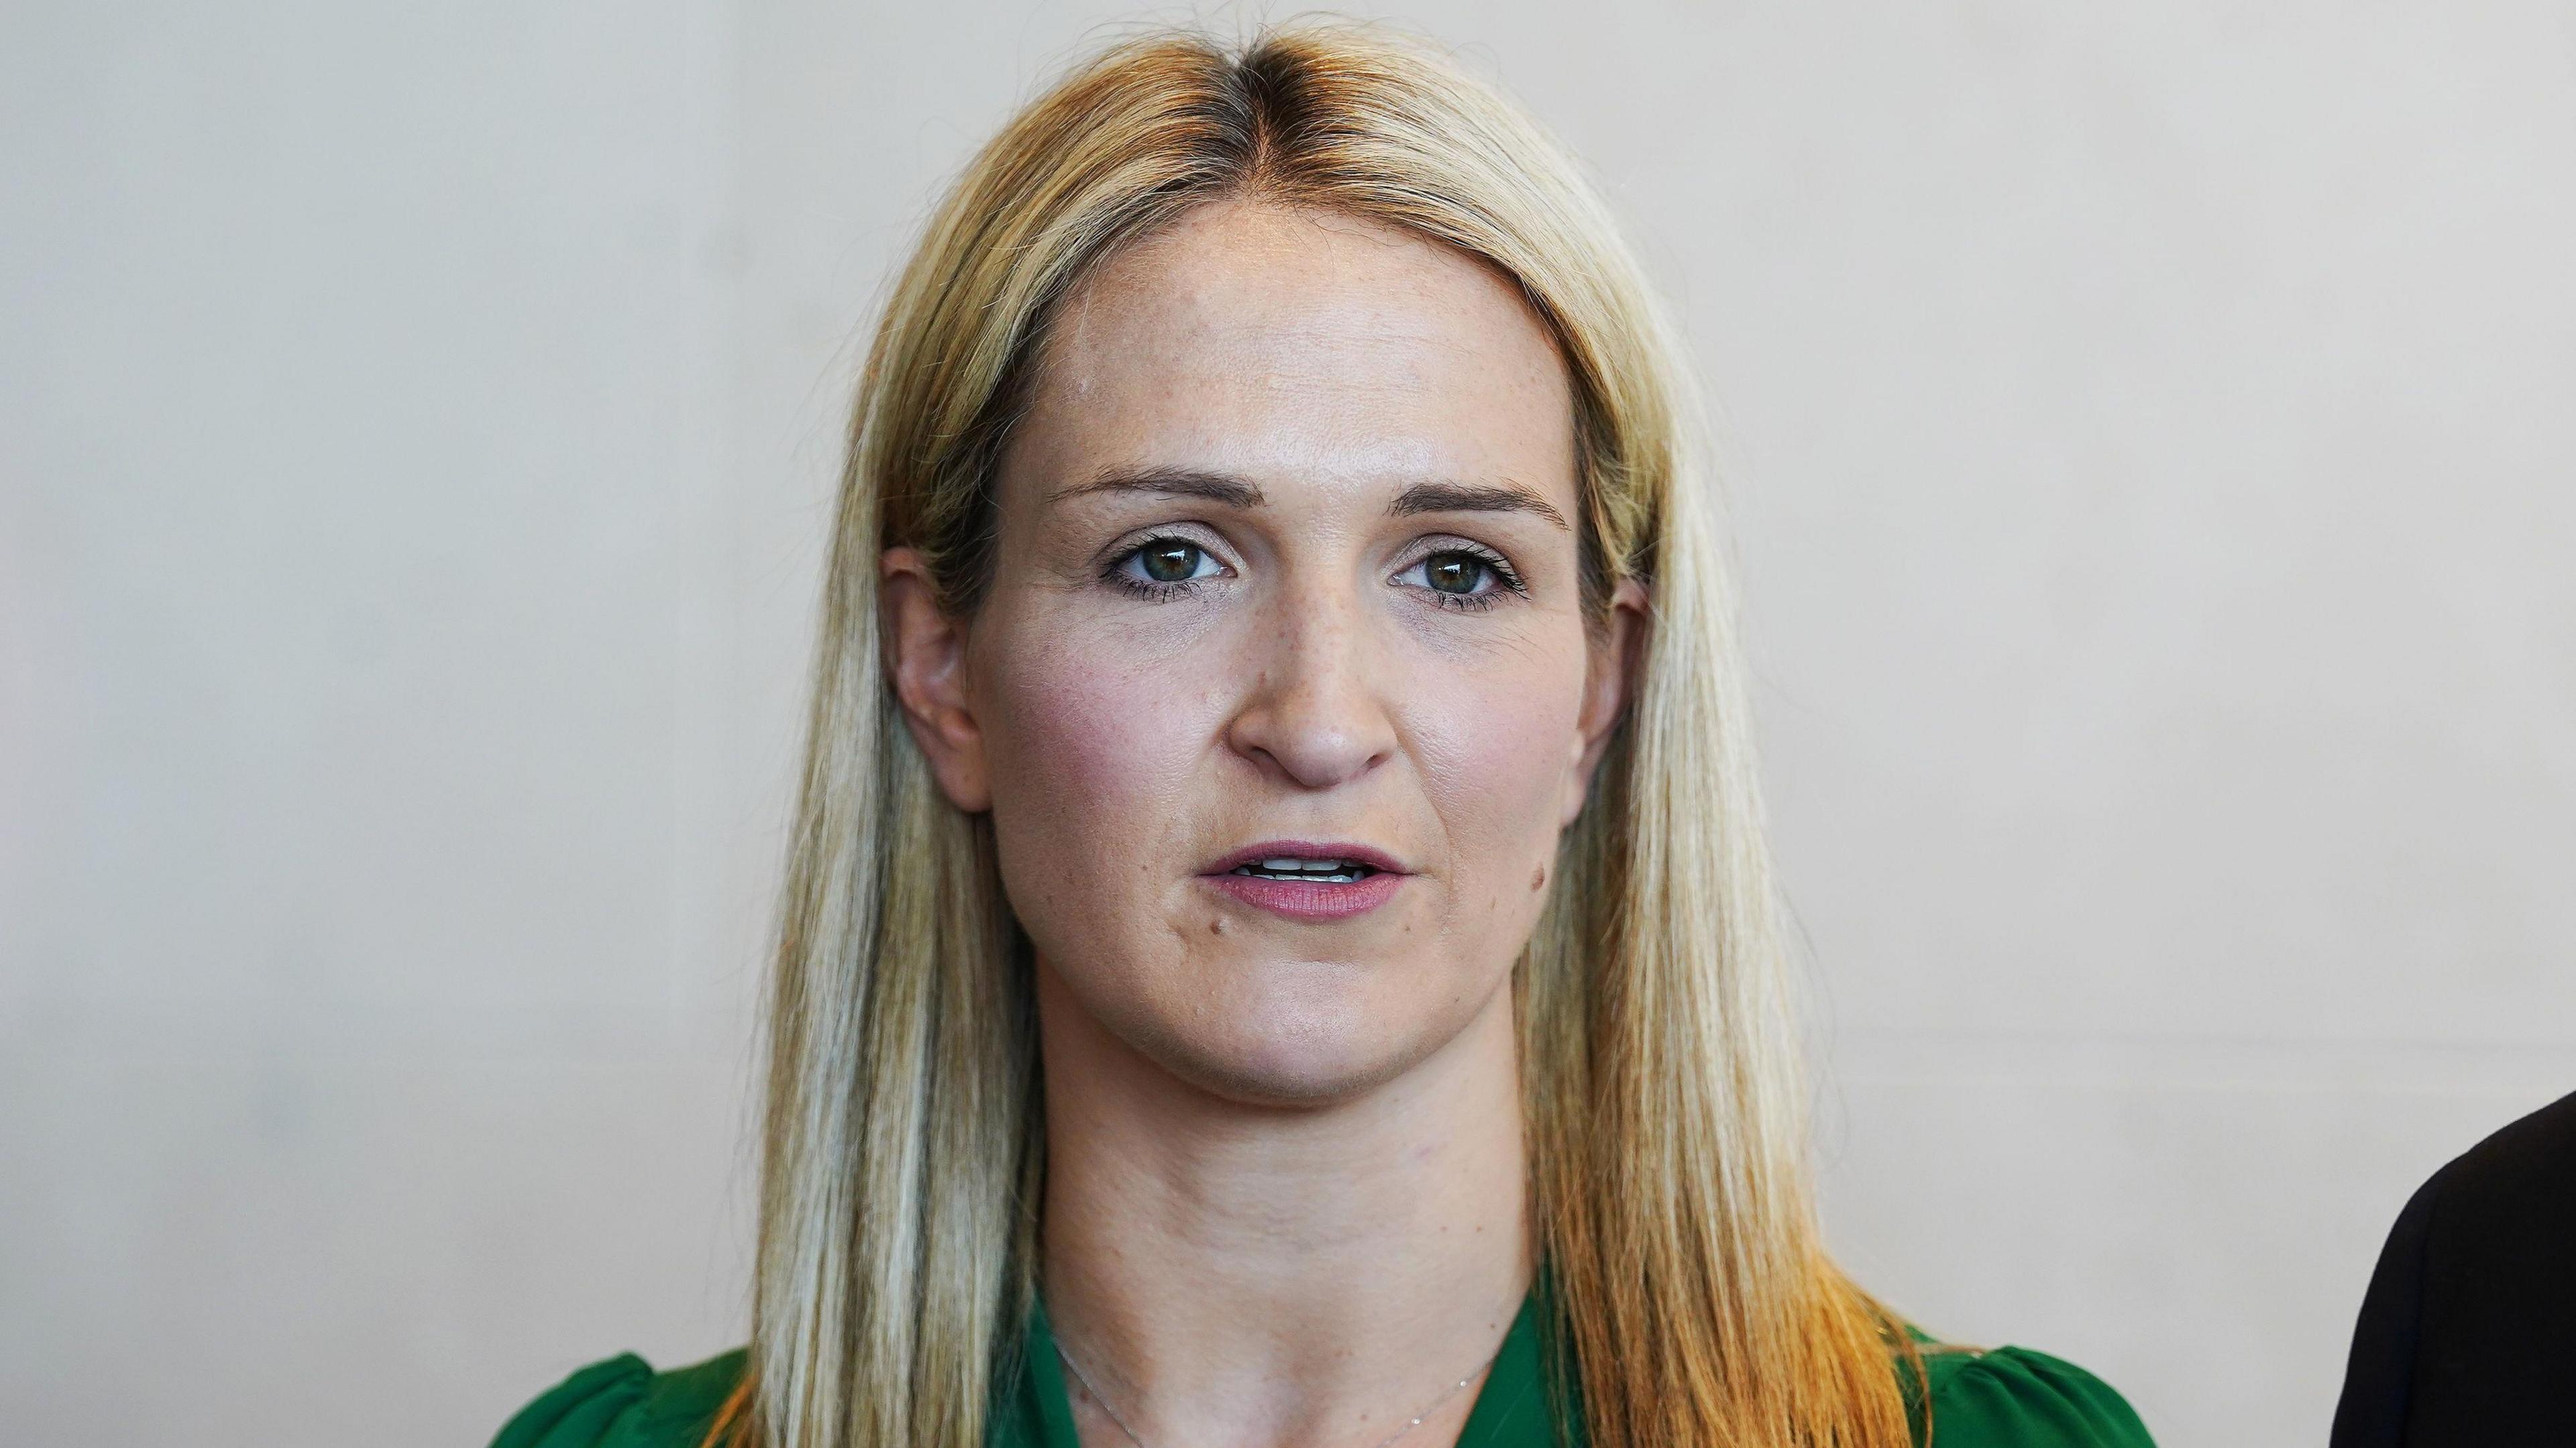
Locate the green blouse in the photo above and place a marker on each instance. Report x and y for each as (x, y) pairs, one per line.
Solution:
(2006, 1397)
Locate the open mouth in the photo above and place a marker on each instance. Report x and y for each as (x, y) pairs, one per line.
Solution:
(1309, 879)
(1295, 867)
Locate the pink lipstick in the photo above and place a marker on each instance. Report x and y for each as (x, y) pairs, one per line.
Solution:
(1306, 880)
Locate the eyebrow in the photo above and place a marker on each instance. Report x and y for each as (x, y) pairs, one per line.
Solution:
(1471, 498)
(1233, 492)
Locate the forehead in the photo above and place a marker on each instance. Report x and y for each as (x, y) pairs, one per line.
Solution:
(1281, 344)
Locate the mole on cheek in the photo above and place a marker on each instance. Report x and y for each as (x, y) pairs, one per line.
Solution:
(1216, 926)
(1538, 877)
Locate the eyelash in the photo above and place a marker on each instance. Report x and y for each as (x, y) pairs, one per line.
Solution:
(1155, 592)
(1506, 578)
(1147, 589)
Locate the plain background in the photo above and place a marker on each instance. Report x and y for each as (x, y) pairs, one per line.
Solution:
(2151, 441)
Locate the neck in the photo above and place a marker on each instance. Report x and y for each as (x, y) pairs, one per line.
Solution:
(1305, 1276)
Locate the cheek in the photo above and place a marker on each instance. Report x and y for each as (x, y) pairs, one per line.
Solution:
(1092, 751)
(1492, 742)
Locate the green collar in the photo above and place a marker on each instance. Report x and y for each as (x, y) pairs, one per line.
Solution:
(1512, 1410)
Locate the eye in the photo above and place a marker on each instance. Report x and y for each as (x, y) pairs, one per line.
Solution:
(1161, 566)
(1469, 578)
(1454, 572)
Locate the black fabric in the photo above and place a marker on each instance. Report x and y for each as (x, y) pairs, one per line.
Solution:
(2467, 1337)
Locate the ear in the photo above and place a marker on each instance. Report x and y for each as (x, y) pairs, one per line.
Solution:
(926, 656)
(1609, 671)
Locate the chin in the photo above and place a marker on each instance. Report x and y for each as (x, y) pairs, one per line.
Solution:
(1295, 1053)
(1284, 1033)
(1286, 1078)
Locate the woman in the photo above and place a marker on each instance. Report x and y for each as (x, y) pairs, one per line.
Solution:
(1278, 947)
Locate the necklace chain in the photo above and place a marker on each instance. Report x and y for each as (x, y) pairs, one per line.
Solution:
(1446, 1393)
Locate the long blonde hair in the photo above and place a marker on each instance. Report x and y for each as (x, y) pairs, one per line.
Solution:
(1665, 1095)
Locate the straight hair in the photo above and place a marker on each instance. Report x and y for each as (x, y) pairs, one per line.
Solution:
(1664, 1091)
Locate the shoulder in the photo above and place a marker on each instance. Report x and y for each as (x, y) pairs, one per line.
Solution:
(2533, 1160)
(2463, 1325)
(2481, 1247)
(2013, 1397)
(623, 1403)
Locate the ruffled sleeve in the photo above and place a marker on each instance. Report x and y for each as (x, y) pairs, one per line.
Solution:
(2012, 1397)
(623, 1403)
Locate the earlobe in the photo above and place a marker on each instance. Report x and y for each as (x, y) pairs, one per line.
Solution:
(925, 653)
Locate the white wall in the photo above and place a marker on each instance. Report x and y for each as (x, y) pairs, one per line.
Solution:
(2151, 446)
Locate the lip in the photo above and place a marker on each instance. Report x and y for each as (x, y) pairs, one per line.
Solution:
(1309, 899)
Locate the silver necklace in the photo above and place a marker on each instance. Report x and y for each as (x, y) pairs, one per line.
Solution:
(1415, 1422)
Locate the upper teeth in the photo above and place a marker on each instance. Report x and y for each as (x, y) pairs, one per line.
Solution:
(1308, 867)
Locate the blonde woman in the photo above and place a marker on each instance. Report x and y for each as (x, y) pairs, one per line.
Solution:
(1279, 950)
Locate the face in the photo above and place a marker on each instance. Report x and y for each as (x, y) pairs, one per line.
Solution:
(1282, 689)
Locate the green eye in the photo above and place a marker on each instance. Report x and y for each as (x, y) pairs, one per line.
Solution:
(1170, 562)
(1453, 572)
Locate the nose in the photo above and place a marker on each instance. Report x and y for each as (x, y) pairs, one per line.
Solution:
(1314, 715)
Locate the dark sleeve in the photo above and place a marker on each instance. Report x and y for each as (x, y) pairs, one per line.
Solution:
(2379, 1376)
(2465, 1336)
